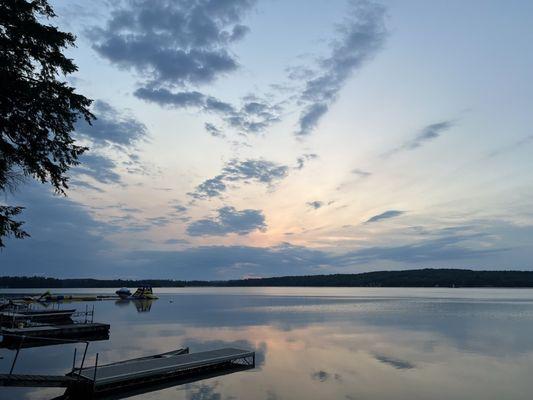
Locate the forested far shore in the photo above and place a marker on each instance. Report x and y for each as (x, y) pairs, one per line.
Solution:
(407, 278)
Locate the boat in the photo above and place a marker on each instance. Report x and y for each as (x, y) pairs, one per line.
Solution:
(123, 293)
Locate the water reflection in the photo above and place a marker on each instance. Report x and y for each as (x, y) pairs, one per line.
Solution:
(393, 344)
(144, 305)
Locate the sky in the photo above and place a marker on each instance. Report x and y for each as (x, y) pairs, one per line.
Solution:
(242, 138)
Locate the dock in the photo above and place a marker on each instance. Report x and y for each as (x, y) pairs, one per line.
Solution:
(56, 331)
(55, 316)
(177, 368)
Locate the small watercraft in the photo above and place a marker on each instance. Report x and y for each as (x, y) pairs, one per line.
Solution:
(123, 293)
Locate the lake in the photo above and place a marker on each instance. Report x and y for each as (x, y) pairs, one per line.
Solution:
(319, 343)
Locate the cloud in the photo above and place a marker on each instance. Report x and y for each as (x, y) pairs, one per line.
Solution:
(259, 170)
(385, 215)
(250, 170)
(158, 221)
(220, 262)
(213, 130)
(323, 376)
(111, 127)
(173, 43)
(440, 250)
(394, 362)
(179, 208)
(209, 188)
(361, 173)
(229, 220)
(428, 133)
(98, 167)
(66, 240)
(301, 161)
(253, 116)
(69, 242)
(361, 36)
(86, 185)
(176, 241)
(315, 204)
(516, 145)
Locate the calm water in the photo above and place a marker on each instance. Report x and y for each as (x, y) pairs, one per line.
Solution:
(321, 343)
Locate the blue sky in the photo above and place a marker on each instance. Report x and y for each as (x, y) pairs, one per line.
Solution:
(245, 138)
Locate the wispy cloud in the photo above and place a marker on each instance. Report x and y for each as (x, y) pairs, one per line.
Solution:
(426, 134)
(301, 161)
(361, 173)
(394, 362)
(229, 220)
(250, 170)
(98, 167)
(315, 204)
(112, 127)
(361, 36)
(385, 215)
(213, 130)
(253, 116)
(506, 149)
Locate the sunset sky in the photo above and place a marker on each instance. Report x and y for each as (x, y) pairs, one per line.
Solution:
(240, 138)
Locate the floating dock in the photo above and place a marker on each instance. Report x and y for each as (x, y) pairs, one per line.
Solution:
(148, 371)
(55, 316)
(56, 331)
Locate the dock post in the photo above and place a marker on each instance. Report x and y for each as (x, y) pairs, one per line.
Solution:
(95, 367)
(83, 358)
(74, 360)
(16, 355)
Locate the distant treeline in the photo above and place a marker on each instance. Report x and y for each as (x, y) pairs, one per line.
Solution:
(407, 278)
(36, 282)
